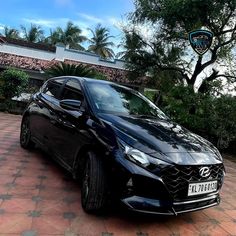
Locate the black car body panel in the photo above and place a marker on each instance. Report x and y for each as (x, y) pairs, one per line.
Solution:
(178, 155)
(163, 136)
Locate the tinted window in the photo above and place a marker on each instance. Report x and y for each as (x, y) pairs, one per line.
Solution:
(52, 88)
(72, 90)
(110, 98)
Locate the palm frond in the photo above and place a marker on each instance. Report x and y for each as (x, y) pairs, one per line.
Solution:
(62, 69)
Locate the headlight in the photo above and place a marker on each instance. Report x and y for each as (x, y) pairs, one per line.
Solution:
(140, 158)
(137, 156)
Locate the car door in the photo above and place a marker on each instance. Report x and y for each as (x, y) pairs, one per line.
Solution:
(45, 103)
(69, 124)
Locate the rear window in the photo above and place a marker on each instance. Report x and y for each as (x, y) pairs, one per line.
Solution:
(52, 88)
(72, 90)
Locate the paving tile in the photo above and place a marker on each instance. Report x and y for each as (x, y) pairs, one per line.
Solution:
(120, 226)
(231, 213)
(181, 227)
(153, 229)
(85, 224)
(5, 179)
(23, 191)
(213, 213)
(26, 181)
(226, 205)
(209, 228)
(18, 205)
(3, 189)
(50, 225)
(197, 216)
(229, 227)
(14, 223)
(52, 207)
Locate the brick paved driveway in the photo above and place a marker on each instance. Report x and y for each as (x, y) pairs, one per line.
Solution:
(38, 198)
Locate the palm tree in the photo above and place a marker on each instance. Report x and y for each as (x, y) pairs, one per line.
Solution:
(131, 44)
(70, 36)
(63, 68)
(100, 44)
(34, 34)
(11, 33)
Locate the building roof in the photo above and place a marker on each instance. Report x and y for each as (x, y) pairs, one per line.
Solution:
(23, 43)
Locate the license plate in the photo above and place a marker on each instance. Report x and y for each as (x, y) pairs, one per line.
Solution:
(202, 187)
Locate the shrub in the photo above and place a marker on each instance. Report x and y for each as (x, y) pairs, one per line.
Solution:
(211, 117)
(12, 83)
(63, 68)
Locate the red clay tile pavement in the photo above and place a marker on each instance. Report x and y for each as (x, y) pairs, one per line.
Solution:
(38, 198)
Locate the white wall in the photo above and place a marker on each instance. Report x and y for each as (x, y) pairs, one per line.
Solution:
(61, 54)
(26, 52)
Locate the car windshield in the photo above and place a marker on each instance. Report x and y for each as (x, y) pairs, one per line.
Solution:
(111, 98)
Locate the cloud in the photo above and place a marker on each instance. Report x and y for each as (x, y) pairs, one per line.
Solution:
(41, 22)
(114, 21)
(107, 20)
(91, 18)
(53, 23)
(21, 34)
(1, 27)
(84, 22)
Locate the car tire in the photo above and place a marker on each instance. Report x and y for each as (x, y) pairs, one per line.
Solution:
(25, 134)
(94, 190)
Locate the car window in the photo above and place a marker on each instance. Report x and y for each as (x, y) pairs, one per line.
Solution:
(72, 90)
(52, 88)
(111, 98)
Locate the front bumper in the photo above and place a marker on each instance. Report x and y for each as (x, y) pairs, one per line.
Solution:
(148, 192)
(154, 206)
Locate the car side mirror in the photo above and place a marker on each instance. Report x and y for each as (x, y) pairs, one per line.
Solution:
(68, 104)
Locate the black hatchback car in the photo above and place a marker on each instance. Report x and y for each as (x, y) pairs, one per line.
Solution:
(121, 146)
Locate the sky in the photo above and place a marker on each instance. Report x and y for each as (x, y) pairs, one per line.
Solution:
(52, 13)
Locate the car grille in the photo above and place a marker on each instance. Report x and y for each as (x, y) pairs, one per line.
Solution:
(177, 178)
(195, 205)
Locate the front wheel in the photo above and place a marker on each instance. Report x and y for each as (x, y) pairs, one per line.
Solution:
(94, 190)
(25, 134)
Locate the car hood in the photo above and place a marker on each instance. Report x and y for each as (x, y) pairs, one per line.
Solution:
(163, 138)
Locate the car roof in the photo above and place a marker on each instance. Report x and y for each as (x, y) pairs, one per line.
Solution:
(82, 79)
(88, 80)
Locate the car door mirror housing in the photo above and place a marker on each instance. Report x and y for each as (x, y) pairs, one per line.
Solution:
(68, 104)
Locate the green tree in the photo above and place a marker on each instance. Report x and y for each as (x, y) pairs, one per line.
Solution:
(34, 34)
(70, 36)
(12, 83)
(10, 33)
(211, 117)
(100, 44)
(159, 32)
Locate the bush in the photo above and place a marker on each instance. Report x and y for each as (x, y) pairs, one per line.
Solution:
(12, 83)
(211, 117)
(63, 68)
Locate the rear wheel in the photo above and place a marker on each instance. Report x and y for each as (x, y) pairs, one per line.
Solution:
(94, 190)
(25, 134)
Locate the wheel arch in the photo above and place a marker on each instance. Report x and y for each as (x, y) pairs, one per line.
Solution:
(25, 113)
(81, 157)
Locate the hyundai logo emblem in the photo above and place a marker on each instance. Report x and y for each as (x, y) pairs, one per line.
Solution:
(204, 171)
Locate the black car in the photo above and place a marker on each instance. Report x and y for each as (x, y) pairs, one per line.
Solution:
(121, 146)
